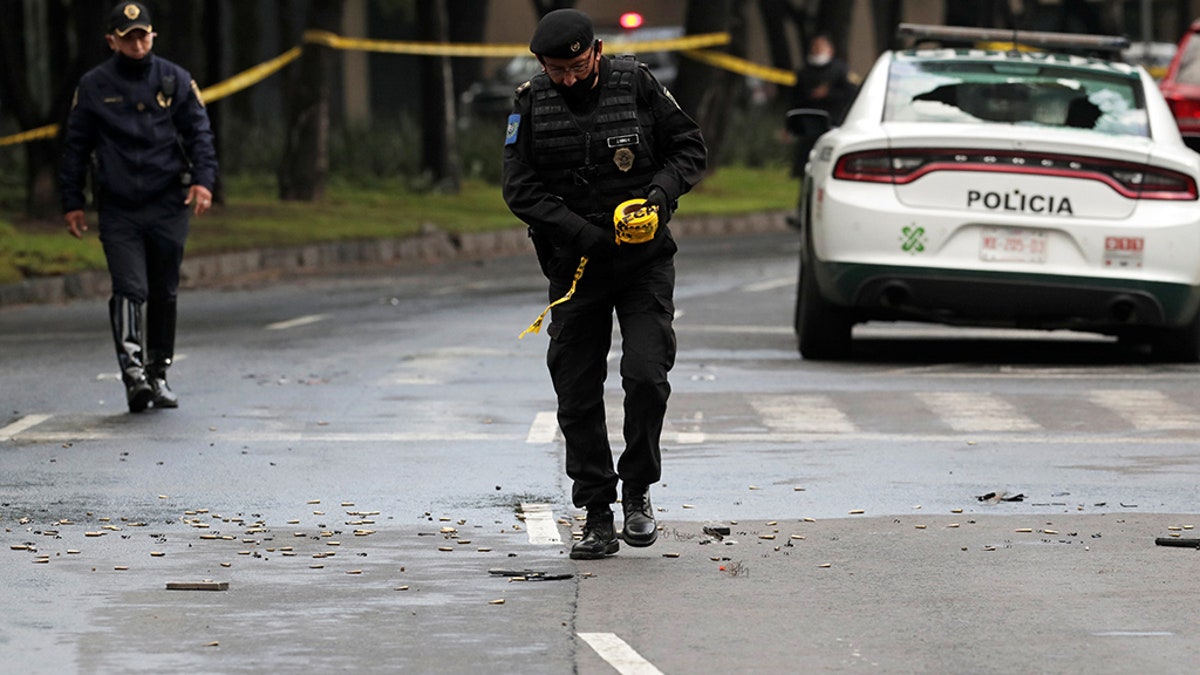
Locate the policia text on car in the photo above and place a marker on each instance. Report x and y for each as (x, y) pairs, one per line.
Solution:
(139, 124)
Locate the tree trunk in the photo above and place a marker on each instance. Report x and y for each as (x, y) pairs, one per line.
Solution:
(439, 145)
(305, 165)
(775, 15)
(704, 92)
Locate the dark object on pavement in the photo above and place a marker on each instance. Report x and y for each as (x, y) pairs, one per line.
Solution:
(531, 575)
(1177, 543)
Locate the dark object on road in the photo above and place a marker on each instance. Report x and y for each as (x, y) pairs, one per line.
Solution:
(531, 575)
(718, 531)
(1177, 543)
(197, 585)
(1000, 497)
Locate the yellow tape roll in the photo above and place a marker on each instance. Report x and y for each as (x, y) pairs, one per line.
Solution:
(634, 222)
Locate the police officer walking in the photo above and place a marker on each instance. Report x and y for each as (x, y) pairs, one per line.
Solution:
(139, 124)
(587, 135)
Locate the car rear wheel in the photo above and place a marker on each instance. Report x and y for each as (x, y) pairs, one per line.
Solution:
(1178, 345)
(822, 329)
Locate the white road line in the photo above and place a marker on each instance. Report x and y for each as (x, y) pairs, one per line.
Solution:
(768, 285)
(751, 330)
(966, 411)
(540, 525)
(25, 423)
(1014, 437)
(619, 655)
(298, 321)
(1146, 409)
(544, 428)
(802, 413)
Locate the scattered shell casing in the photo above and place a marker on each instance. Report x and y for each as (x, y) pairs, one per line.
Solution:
(496, 602)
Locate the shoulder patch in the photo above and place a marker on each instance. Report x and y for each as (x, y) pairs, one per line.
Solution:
(196, 93)
(523, 88)
(514, 124)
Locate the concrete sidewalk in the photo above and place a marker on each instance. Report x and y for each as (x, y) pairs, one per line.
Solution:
(263, 265)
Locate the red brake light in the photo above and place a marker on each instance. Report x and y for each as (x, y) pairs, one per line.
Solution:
(630, 20)
(1183, 108)
(1133, 181)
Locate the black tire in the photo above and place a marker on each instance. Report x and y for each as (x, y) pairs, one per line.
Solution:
(1178, 345)
(822, 329)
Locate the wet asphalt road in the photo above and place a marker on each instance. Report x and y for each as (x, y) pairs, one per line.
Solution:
(352, 456)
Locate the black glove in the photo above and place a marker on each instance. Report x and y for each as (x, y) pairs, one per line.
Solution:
(657, 197)
(595, 243)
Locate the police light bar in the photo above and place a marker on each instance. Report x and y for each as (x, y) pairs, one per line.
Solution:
(1031, 38)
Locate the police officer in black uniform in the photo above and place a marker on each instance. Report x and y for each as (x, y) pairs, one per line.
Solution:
(587, 134)
(139, 124)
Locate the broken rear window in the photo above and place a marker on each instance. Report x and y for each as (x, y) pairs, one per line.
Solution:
(1016, 90)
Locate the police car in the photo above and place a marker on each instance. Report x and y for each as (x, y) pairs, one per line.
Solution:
(1004, 188)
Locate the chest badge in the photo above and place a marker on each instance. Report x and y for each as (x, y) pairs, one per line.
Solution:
(163, 101)
(623, 158)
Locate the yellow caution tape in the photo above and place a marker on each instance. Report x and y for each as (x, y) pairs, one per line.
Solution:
(536, 326)
(243, 80)
(743, 67)
(634, 222)
(48, 131)
(250, 77)
(336, 41)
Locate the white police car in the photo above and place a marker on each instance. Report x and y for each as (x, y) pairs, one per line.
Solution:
(1005, 188)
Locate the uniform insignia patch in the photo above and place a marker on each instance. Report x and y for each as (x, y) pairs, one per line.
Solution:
(510, 134)
(163, 101)
(196, 93)
(623, 158)
(132, 11)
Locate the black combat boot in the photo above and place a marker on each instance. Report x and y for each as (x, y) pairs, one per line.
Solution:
(599, 536)
(126, 318)
(160, 349)
(640, 528)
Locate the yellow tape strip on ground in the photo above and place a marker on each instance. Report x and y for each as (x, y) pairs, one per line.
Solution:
(335, 41)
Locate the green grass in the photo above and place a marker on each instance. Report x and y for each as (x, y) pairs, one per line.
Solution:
(254, 218)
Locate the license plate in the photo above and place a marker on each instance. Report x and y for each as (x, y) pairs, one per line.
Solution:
(1012, 244)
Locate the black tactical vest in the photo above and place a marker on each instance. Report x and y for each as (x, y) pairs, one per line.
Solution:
(596, 162)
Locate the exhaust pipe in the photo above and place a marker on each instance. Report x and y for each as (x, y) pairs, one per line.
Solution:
(895, 294)
(1122, 309)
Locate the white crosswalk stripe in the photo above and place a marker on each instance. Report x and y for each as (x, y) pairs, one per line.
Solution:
(1146, 409)
(974, 412)
(802, 413)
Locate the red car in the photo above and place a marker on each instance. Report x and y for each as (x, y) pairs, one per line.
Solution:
(1181, 86)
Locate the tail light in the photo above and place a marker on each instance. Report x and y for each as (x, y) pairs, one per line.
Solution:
(900, 167)
(1184, 109)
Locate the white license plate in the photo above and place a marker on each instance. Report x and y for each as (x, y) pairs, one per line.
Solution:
(1012, 244)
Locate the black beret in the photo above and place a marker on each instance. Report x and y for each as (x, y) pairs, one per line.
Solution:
(127, 16)
(562, 34)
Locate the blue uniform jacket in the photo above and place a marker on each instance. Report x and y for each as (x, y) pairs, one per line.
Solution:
(125, 115)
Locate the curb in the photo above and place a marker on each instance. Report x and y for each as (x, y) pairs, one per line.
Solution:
(274, 264)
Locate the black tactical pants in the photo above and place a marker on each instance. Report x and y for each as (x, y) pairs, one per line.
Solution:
(144, 247)
(642, 297)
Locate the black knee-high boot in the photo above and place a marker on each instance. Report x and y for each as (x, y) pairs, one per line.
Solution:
(126, 318)
(160, 349)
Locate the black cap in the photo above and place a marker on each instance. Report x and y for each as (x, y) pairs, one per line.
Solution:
(562, 34)
(127, 16)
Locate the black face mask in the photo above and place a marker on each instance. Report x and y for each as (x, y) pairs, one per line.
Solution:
(582, 88)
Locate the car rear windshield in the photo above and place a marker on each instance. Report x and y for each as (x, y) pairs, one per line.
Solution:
(1016, 90)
